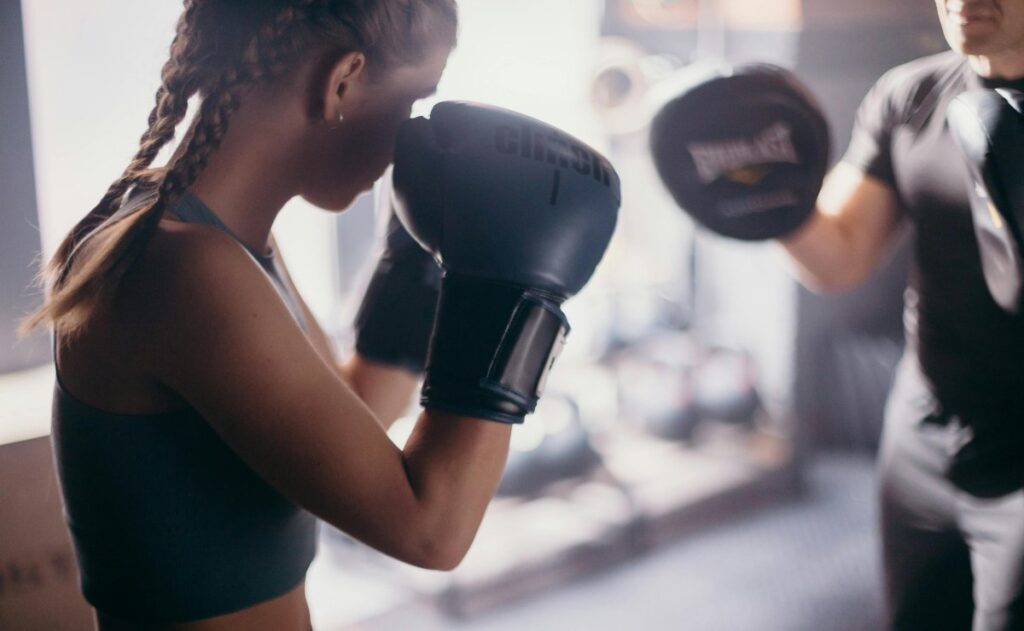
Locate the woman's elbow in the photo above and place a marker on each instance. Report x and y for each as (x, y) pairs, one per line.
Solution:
(436, 553)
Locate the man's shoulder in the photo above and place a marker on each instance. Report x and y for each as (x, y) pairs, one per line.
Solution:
(928, 70)
(913, 85)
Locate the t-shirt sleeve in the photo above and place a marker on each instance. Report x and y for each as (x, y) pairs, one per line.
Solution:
(870, 143)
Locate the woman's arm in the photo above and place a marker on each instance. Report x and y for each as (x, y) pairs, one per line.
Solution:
(846, 238)
(223, 340)
(386, 390)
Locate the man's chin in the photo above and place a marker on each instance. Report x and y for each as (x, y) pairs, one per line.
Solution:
(974, 39)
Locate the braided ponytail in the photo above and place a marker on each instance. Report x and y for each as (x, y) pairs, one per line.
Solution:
(218, 51)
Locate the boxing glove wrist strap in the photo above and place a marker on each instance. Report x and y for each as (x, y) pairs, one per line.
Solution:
(492, 348)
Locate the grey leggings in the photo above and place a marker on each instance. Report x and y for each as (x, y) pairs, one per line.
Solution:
(953, 552)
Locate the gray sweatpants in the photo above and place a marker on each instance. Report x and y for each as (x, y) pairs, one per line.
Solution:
(953, 551)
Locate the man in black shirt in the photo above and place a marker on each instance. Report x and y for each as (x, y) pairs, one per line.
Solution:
(952, 456)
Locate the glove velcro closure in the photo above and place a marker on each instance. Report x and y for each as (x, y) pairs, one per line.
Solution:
(493, 347)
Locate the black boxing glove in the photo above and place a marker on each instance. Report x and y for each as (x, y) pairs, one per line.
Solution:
(394, 320)
(742, 150)
(518, 214)
(988, 127)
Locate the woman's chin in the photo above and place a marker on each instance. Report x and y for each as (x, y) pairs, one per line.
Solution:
(333, 204)
(341, 199)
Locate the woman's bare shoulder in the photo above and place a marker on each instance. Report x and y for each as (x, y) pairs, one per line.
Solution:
(184, 257)
(188, 273)
(180, 247)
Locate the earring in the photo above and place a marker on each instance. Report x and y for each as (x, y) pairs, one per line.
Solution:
(341, 117)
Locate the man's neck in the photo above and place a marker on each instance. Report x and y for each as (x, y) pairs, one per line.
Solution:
(1008, 65)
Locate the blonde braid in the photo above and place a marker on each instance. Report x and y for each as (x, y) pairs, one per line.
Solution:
(264, 58)
(214, 55)
(176, 88)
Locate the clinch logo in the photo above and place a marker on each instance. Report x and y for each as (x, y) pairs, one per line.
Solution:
(714, 159)
(543, 145)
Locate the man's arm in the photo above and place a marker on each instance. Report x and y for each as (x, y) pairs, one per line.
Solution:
(848, 235)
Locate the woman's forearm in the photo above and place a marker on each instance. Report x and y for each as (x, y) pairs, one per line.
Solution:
(387, 390)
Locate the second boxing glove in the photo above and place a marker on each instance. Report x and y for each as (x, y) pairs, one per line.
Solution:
(396, 315)
(518, 214)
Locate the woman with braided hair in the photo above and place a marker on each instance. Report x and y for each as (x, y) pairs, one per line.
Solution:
(200, 417)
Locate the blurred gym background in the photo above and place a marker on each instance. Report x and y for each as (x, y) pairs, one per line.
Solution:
(703, 458)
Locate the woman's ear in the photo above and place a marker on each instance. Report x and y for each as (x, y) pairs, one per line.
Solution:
(340, 81)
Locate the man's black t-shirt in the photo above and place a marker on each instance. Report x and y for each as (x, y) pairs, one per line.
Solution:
(970, 350)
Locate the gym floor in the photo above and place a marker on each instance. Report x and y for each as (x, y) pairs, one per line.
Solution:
(806, 564)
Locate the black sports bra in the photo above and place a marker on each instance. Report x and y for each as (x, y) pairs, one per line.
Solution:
(168, 523)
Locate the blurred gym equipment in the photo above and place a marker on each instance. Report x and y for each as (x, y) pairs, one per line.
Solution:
(656, 385)
(553, 446)
(725, 387)
(623, 77)
(670, 384)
